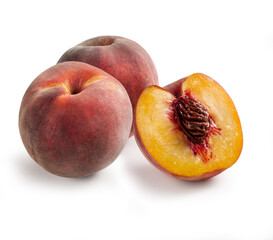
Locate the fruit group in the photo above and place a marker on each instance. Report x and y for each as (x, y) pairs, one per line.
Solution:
(190, 129)
(75, 119)
(122, 58)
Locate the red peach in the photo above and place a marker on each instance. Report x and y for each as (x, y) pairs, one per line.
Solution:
(122, 58)
(75, 119)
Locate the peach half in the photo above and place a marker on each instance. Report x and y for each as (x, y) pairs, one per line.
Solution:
(190, 130)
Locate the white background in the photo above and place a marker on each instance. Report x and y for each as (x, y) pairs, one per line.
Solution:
(231, 41)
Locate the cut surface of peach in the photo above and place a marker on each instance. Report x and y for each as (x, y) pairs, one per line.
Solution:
(185, 152)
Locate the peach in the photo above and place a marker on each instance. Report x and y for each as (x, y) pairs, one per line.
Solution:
(190, 130)
(122, 58)
(74, 119)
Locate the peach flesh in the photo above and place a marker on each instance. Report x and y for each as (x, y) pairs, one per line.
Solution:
(167, 147)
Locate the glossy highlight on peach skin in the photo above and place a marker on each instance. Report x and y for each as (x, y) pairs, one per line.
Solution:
(122, 58)
(168, 148)
(74, 119)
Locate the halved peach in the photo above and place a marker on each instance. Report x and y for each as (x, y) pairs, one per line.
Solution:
(190, 130)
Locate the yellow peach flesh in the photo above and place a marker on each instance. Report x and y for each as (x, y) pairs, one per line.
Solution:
(169, 147)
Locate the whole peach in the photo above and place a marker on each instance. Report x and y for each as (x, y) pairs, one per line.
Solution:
(122, 58)
(74, 119)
